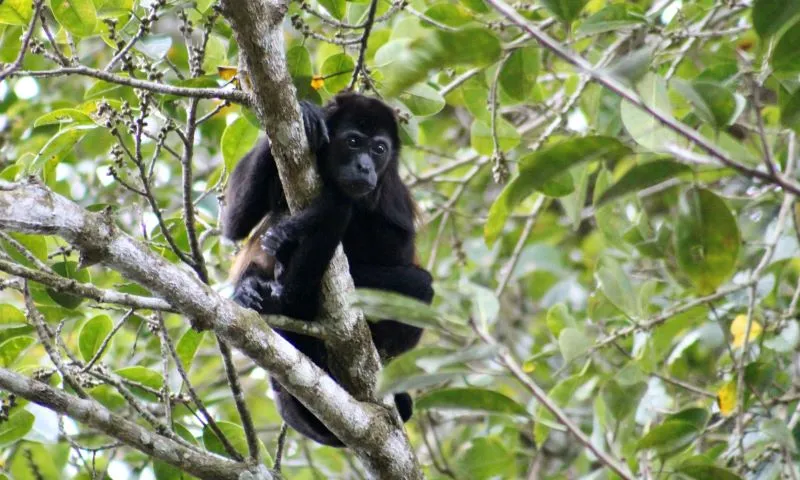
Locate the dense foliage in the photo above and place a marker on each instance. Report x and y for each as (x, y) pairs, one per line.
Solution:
(607, 197)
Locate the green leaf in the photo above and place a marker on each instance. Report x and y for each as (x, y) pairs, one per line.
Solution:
(298, 61)
(235, 435)
(633, 66)
(472, 399)
(11, 349)
(790, 112)
(785, 341)
(713, 103)
(407, 365)
(16, 12)
(378, 304)
(565, 10)
(145, 376)
(17, 426)
(574, 203)
(486, 459)
(238, 138)
(155, 46)
(406, 63)
(216, 53)
(115, 8)
(92, 335)
(474, 93)
(784, 55)
(422, 100)
(187, 346)
(36, 244)
(561, 394)
(770, 15)
(609, 217)
(69, 270)
(707, 472)
(518, 76)
(63, 115)
(422, 381)
(616, 286)
(448, 14)
(559, 318)
(405, 372)
(669, 438)
(337, 71)
(707, 239)
(776, 429)
(11, 317)
(538, 168)
(642, 176)
(610, 18)
(337, 8)
(697, 416)
(10, 40)
(50, 461)
(622, 401)
(60, 145)
(101, 88)
(480, 351)
(573, 343)
(108, 397)
(475, 5)
(646, 130)
(78, 17)
(559, 186)
(481, 136)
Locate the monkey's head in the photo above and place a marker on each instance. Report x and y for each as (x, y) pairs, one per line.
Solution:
(364, 144)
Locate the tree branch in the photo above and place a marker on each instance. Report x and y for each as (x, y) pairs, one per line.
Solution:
(623, 91)
(373, 432)
(202, 465)
(231, 95)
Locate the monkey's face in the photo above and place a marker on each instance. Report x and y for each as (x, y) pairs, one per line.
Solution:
(356, 160)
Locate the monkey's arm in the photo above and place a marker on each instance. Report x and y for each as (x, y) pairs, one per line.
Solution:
(255, 188)
(304, 244)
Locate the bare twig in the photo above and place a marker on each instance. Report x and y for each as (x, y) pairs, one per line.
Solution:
(234, 96)
(541, 396)
(360, 68)
(26, 41)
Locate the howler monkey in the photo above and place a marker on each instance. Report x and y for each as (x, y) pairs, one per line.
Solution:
(363, 204)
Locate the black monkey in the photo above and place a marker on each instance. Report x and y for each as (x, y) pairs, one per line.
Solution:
(363, 204)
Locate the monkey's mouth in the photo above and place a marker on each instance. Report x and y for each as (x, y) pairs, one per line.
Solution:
(359, 188)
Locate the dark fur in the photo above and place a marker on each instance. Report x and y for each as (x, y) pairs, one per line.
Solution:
(376, 230)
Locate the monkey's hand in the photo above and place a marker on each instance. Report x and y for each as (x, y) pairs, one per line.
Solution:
(280, 242)
(314, 123)
(252, 291)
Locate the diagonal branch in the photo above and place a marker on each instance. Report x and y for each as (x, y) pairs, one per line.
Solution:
(371, 430)
(623, 91)
(203, 465)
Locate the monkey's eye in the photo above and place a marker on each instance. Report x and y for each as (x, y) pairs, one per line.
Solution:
(353, 141)
(379, 148)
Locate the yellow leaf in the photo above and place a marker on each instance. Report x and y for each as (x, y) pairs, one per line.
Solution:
(726, 398)
(317, 82)
(529, 366)
(738, 328)
(227, 73)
